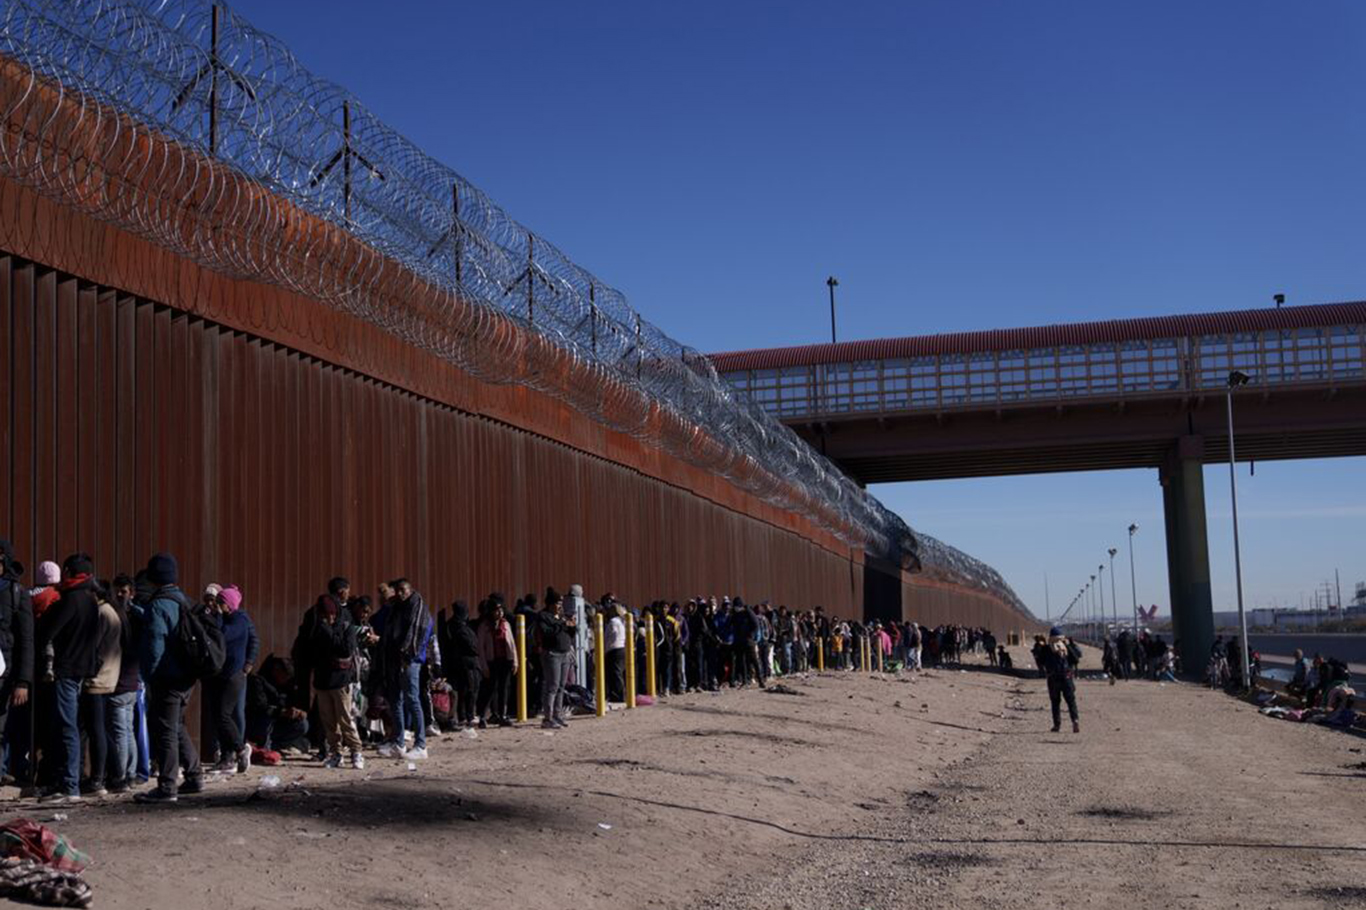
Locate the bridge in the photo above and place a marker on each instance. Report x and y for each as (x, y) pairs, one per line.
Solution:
(1132, 393)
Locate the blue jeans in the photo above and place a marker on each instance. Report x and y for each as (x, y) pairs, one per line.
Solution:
(123, 752)
(407, 706)
(69, 735)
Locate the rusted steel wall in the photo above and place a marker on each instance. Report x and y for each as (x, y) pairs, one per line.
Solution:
(133, 427)
(933, 603)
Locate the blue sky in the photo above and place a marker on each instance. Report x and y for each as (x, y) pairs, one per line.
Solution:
(957, 164)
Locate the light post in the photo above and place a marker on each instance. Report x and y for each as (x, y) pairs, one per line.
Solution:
(1092, 604)
(1133, 579)
(832, 283)
(1100, 573)
(1235, 379)
(1114, 601)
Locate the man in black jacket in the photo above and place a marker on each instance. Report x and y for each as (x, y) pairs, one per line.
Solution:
(1058, 661)
(71, 627)
(16, 635)
(403, 645)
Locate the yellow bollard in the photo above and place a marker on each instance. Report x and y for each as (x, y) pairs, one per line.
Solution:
(649, 656)
(630, 660)
(867, 655)
(599, 666)
(521, 669)
(820, 654)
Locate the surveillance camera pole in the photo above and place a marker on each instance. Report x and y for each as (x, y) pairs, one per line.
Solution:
(1133, 578)
(832, 283)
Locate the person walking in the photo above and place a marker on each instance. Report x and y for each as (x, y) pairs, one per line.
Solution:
(169, 683)
(1059, 663)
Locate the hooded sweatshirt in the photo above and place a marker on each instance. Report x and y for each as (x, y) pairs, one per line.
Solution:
(71, 627)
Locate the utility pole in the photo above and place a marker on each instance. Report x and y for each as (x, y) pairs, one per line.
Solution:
(1133, 578)
(1235, 379)
(1114, 601)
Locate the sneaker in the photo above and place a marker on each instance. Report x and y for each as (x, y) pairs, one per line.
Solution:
(549, 724)
(1076, 727)
(433, 732)
(483, 724)
(191, 786)
(117, 787)
(388, 750)
(357, 761)
(332, 761)
(1057, 727)
(505, 722)
(94, 790)
(244, 760)
(225, 766)
(321, 756)
(415, 754)
(59, 798)
(155, 795)
(562, 723)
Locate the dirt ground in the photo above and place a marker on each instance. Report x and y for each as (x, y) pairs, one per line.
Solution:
(859, 792)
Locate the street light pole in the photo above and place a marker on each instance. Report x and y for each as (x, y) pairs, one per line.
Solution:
(1100, 572)
(832, 283)
(1236, 379)
(1114, 601)
(1133, 579)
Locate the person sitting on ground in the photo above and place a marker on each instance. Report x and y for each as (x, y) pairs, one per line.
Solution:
(1060, 661)
(273, 720)
(1003, 658)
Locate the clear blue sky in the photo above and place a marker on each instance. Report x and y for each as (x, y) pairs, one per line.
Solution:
(957, 164)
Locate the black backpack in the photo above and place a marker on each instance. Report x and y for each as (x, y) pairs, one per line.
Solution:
(202, 653)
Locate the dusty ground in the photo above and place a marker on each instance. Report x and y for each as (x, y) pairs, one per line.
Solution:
(946, 790)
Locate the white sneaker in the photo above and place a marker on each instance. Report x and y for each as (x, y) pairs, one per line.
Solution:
(388, 750)
(415, 754)
(357, 761)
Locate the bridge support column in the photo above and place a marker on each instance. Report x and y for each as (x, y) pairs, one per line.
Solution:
(1183, 501)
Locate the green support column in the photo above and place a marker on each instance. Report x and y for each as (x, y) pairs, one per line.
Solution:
(1183, 500)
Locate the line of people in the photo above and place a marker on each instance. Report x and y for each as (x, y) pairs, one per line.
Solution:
(98, 676)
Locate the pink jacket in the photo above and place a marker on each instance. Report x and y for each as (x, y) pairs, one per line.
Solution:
(486, 644)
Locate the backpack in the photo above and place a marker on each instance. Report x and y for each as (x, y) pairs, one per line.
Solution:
(202, 653)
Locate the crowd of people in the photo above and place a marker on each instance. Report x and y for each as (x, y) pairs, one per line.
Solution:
(1142, 656)
(98, 674)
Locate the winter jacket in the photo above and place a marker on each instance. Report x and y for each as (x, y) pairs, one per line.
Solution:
(157, 652)
(462, 644)
(1060, 658)
(487, 650)
(109, 649)
(130, 675)
(71, 627)
(556, 635)
(16, 630)
(264, 700)
(241, 646)
(332, 652)
(406, 627)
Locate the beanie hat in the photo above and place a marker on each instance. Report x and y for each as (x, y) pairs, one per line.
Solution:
(552, 596)
(162, 569)
(231, 597)
(49, 573)
(1055, 631)
(78, 564)
(576, 590)
(213, 590)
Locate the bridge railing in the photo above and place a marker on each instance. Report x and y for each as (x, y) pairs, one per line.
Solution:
(1143, 367)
